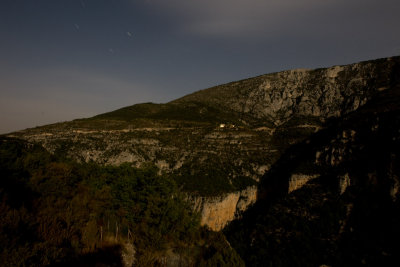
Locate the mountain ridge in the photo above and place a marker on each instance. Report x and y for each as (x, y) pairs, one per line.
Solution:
(222, 140)
(239, 98)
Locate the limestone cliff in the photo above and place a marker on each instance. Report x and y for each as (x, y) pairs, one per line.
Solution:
(323, 93)
(217, 212)
(343, 206)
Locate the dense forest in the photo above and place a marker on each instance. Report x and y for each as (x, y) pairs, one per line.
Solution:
(58, 212)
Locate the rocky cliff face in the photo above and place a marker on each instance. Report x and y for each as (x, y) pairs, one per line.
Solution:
(322, 92)
(217, 212)
(344, 210)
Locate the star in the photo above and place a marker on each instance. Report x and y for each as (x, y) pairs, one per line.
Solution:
(77, 27)
(129, 34)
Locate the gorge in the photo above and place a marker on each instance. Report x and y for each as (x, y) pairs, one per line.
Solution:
(282, 144)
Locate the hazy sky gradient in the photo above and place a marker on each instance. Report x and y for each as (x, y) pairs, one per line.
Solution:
(67, 59)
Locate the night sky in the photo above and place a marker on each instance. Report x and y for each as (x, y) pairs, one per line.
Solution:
(67, 59)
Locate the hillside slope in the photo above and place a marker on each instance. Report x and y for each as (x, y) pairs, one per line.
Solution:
(222, 140)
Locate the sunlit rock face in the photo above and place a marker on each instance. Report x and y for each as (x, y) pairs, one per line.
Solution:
(217, 212)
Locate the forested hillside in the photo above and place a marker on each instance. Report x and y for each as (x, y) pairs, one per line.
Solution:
(56, 211)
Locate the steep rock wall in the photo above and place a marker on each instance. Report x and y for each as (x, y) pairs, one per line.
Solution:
(323, 92)
(217, 212)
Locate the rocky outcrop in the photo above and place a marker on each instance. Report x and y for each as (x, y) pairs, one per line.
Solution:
(296, 181)
(344, 182)
(328, 92)
(353, 203)
(217, 212)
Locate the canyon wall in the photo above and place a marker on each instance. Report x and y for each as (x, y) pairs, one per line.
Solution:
(216, 212)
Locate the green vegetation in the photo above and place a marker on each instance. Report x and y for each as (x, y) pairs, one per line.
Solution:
(55, 211)
(212, 175)
(194, 112)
